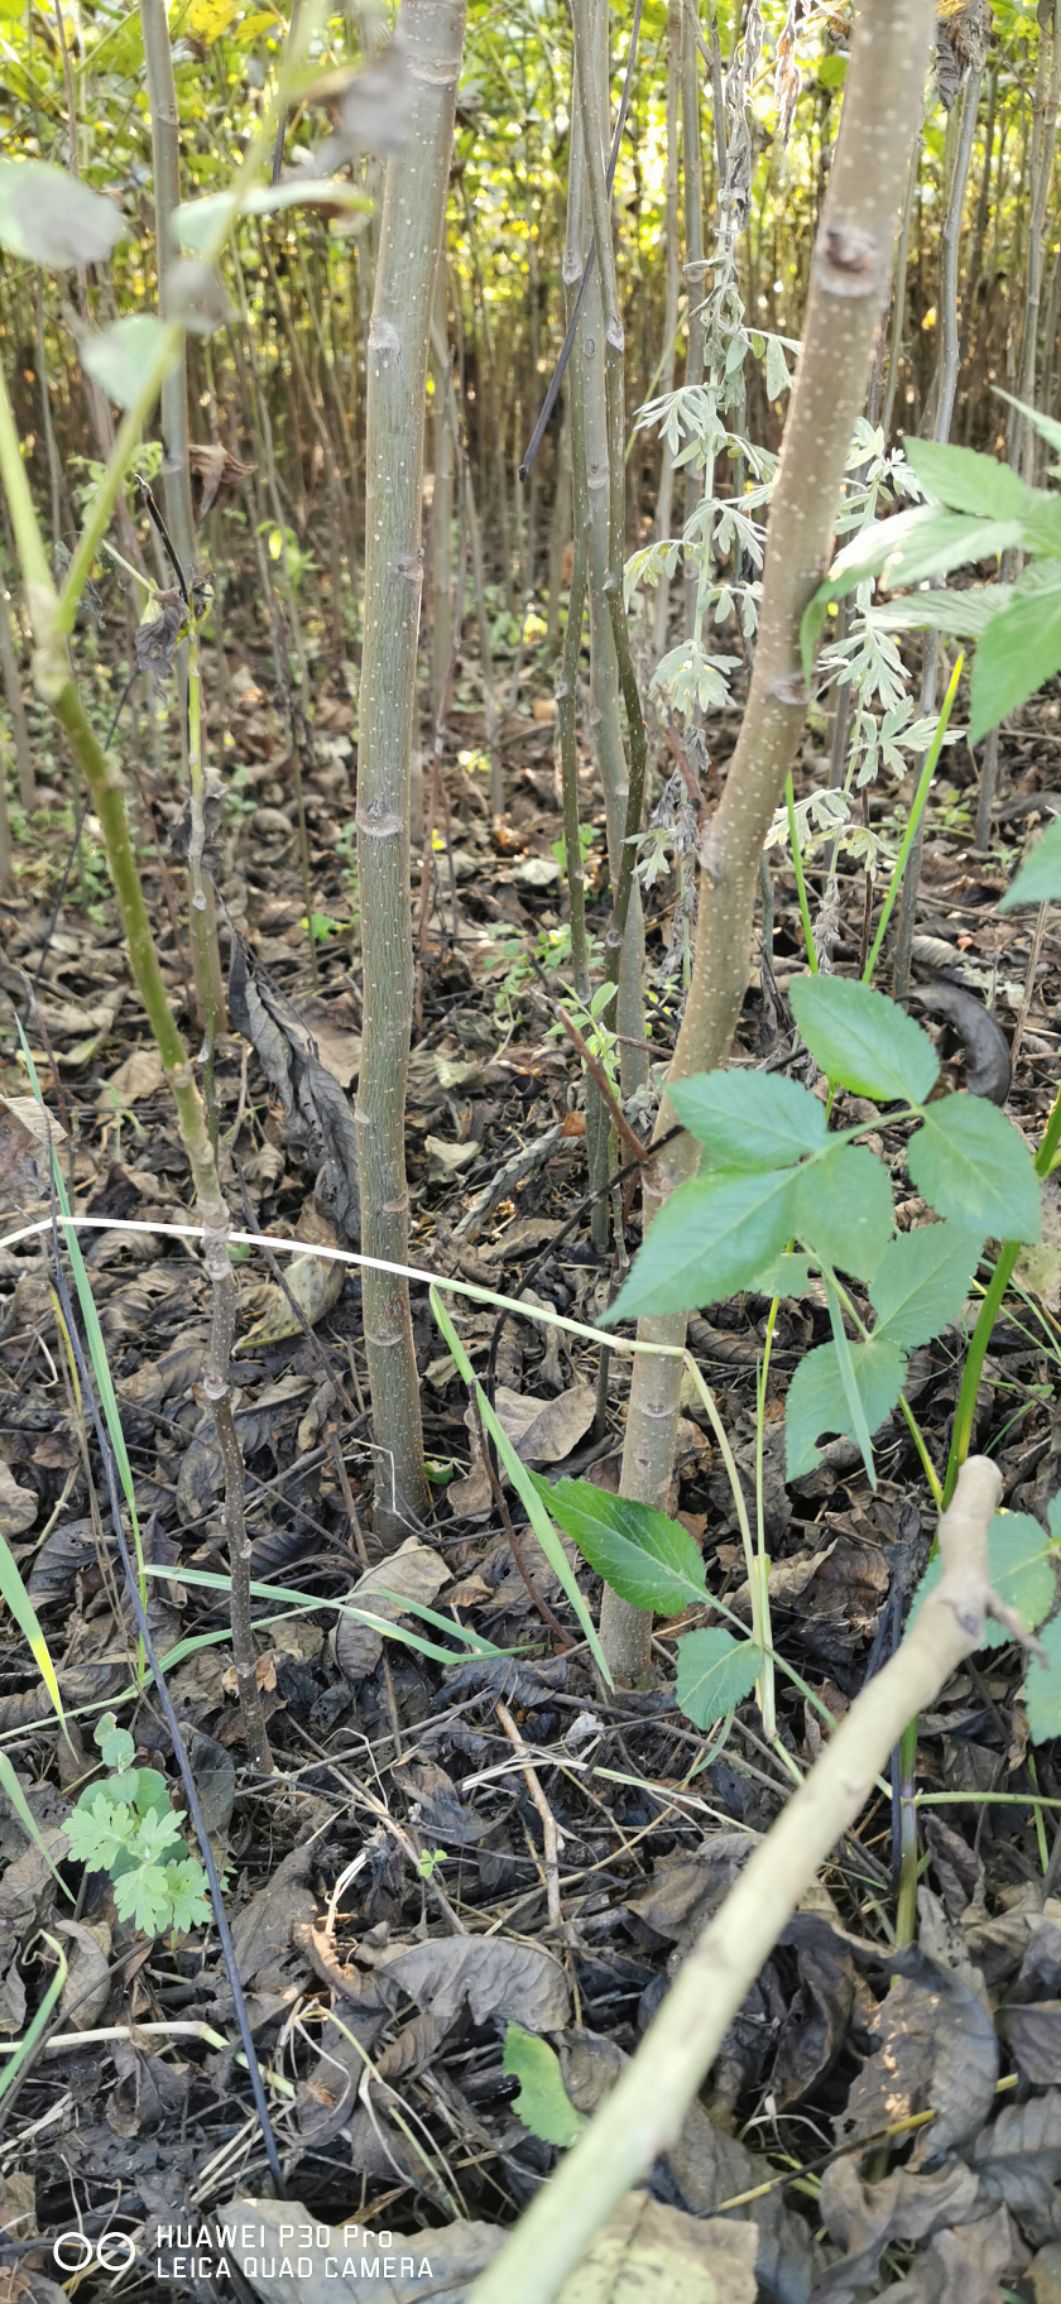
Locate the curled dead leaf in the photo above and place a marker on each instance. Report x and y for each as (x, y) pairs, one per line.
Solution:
(18, 1506)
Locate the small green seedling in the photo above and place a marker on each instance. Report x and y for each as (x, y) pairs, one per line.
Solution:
(125, 1826)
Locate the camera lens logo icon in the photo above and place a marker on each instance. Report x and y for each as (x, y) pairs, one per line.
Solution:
(112, 2252)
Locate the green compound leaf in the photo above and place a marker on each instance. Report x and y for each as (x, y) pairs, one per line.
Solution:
(749, 1120)
(969, 1162)
(142, 1896)
(935, 542)
(966, 481)
(818, 1405)
(786, 1275)
(542, 2103)
(647, 1559)
(98, 1830)
(922, 1281)
(1019, 653)
(842, 1209)
(861, 1040)
(1039, 878)
(710, 1239)
(189, 1901)
(1042, 1689)
(715, 1674)
(1021, 1569)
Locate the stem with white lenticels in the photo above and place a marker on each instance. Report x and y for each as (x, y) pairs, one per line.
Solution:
(411, 232)
(849, 283)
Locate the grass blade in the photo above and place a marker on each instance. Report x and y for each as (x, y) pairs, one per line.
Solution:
(524, 1486)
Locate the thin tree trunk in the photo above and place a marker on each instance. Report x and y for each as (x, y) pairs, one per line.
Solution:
(850, 279)
(1044, 153)
(696, 482)
(895, 348)
(943, 397)
(9, 664)
(665, 499)
(165, 161)
(1021, 439)
(411, 232)
(559, 529)
(55, 470)
(598, 375)
(441, 554)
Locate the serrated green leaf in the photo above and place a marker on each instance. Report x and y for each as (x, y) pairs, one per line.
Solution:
(142, 1896)
(98, 1830)
(922, 1281)
(787, 1275)
(715, 1674)
(710, 1239)
(1021, 1571)
(155, 1838)
(48, 216)
(965, 614)
(966, 481)
(1039, 878)
(969, 1162)
(1019, 653)
(646, 1558)
(750, 1120)
(817, 1405)
(542, 2103)
(1053, 1515)
(187, 1890)
(921, 542)
(1042, 1689)
(121, 357)
(1047, 427)
(842, 1211)
(937, 542)
(863, 1041)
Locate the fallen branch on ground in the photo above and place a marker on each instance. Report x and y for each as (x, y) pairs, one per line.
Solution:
(644, 2113)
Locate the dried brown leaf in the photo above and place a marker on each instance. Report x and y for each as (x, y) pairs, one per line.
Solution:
(490, 1976)
(317, 1114)
(440, 2264)
(18, 1506)
(261, 1932)
(413, 1572)
(546, 1431)
(864, 2218)
(27, 1131)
